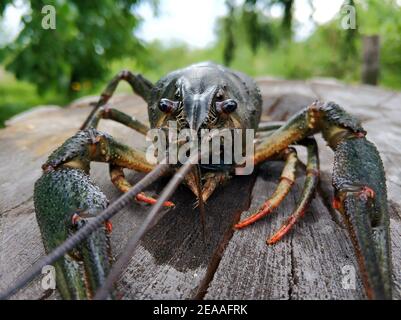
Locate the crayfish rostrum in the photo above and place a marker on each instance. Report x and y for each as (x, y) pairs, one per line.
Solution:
(210, 96)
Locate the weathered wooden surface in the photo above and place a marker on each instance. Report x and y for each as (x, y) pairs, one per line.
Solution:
(173, 261)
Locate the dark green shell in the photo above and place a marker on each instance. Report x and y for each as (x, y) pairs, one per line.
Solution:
(57, 196)
(357, 163)
(334, 114)
(75, 147)
(202, 77)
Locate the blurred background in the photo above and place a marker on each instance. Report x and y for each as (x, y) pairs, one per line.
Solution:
(93, 40)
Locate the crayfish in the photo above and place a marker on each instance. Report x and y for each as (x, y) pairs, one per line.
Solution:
(198, 97)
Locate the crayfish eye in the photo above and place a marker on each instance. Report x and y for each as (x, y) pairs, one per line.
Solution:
(167, 106)
(226, 106)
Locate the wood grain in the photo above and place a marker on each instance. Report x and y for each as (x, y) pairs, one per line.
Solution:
(174, 261)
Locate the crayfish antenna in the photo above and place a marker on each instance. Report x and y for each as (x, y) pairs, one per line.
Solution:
(200, 202)
(83, 233)
(151, 219)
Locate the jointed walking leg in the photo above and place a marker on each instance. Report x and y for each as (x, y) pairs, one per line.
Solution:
(286, 181)
(117, 116)
(138, 83)
(310, 184)
(359, 182)
(118, 178)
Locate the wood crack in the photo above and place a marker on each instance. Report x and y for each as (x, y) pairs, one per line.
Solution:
(292, 279)
(395, 210)
(221, 247)
(4, 213)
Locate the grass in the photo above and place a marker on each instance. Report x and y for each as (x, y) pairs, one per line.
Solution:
(18, 96)
(326, 53)
(318, 57)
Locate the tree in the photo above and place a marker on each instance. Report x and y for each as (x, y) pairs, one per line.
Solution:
(88, 36)
(228, 24)
(259, 27)
(349, 50)
(288, 6)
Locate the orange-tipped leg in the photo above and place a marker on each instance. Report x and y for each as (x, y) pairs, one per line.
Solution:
(109, 226)
(285, 228)
(118, 179)
(311, 181)
(142, 197)
(263, 211)
(286, 181)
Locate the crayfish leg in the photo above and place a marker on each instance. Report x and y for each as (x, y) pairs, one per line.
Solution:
(308, 191)
(287, 180)
(358, 174)
(117, 177)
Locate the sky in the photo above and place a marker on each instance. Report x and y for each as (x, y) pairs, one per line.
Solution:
(193, 21)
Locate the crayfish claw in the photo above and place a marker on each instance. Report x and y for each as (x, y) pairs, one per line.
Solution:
(82, 270)
(359, 182)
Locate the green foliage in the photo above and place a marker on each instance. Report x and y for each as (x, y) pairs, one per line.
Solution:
(330, 51)
(17, 96)
(229, 23)
(52, 59)
(163, 59)
(287, 16)
(349, 39)
(249, 21)
(258, 28)
(89, 35)
(384, 18)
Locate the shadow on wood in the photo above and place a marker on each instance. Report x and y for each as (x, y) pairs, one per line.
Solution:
(173, 261)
